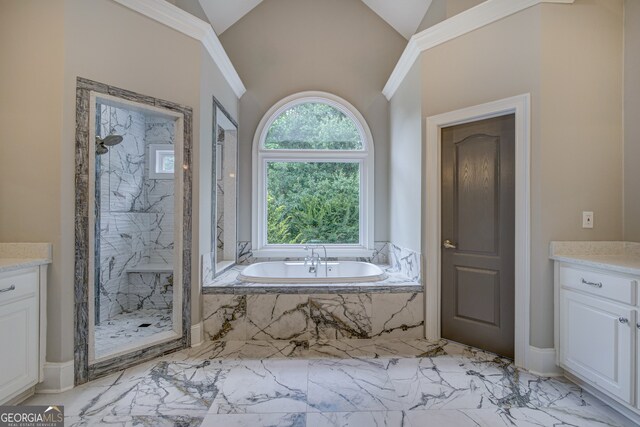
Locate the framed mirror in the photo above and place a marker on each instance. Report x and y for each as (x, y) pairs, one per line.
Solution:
(224, 197)
(133, 228)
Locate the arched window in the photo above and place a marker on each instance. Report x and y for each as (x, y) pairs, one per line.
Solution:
(312, 178)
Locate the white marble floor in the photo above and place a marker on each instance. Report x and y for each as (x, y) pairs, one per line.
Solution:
(330, 383)
(124, 329)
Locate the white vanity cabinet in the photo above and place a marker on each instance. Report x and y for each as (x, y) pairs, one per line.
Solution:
(597, 338)
(596, 341)
(22, 327)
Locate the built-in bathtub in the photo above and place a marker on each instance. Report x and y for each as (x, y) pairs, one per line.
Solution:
(286, 272)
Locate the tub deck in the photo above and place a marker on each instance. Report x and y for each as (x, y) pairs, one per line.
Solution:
(229, 283)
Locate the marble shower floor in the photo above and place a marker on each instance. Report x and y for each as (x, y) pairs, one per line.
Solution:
(330, 383)
(124, 329)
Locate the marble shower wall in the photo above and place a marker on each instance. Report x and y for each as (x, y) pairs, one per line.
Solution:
(136, 213)
(124, 236)
(160, 200)
(313, 317)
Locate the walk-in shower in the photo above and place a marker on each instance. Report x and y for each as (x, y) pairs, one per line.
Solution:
(132, 275)
(134, 225)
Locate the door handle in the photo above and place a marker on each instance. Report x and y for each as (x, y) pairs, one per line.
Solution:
(448, 244)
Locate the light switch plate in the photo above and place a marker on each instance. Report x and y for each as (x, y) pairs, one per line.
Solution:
(587, 219)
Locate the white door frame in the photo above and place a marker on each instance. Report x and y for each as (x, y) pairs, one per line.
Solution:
(520, 105)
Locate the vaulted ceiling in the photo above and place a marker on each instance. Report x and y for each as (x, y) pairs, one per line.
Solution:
(403, 15)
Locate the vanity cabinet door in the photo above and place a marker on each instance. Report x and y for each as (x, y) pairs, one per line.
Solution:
(19, 325)
(596, 339)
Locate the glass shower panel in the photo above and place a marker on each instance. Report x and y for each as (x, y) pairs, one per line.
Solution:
(134, 227)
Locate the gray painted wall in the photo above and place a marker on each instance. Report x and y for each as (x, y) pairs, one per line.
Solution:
(631, 121)
(405, 164)
(340, 46)
(143, 56)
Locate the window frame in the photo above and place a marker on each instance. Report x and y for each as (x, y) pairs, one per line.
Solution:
(154, 149)
(262, 156)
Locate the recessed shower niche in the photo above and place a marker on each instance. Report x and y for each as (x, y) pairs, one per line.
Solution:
(224, 240)
(136, 153)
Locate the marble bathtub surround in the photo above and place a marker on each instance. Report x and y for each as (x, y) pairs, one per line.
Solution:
(306, 317)
(380, 255)
(229, 283)
(146, 211)
(406, 262)
(237, 383)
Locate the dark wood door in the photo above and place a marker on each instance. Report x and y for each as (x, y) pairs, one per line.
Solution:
(478, 228)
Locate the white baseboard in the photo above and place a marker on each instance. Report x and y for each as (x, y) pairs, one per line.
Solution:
(197, 334)
(542, 362)
(58, 377)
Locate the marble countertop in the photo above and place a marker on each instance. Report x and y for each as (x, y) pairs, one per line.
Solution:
(17, 256)
(621, 257)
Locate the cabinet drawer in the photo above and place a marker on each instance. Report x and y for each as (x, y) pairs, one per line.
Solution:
(18, 284)
(617, 288)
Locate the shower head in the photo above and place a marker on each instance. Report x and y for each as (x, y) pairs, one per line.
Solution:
(111, 140)
(107, 141)
(101, 149)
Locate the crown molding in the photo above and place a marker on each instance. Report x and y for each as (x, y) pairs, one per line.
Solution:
(477, 17)
(172, 16)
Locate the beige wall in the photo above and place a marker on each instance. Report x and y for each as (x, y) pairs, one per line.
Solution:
(31, 89)
(568, 57)
(405, 164)
(580, 139)
(340, 46)
(142, 56)
(631, 121)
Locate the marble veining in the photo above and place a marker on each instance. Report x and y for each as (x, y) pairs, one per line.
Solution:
(321, 316)
(279, 383)
(406, 262)
(380, 255)
(135, 218)
(229, 283)
(125, 328)
(144, 218)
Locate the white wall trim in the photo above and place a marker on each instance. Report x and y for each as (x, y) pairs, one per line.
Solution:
(197, 334)
(542, 362)
(520, 105)
(172, 16)
(477, 17)
(58, 377)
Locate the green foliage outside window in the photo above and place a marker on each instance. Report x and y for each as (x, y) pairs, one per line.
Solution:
(313, 126)
(313, 201)
(317, 201)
